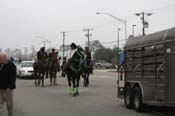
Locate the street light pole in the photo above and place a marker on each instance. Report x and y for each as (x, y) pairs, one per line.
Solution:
(49, 44)
(44, 40)
(64, 34)
(133, 29)
(88, 35)
(119, 19)
(118, 44)
(144, 23)
(118, 55)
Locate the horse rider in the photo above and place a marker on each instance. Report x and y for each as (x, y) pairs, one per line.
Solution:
(41, 58)
(63, 64)
(75, 64)
(88, 64)
(88, 57)
(53, 57)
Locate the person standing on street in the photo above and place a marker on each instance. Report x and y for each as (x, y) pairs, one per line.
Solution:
(7, 83)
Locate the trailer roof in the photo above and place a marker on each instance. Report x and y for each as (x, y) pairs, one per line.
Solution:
(168, 34)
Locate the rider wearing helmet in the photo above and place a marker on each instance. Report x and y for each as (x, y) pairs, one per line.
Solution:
(41, 58)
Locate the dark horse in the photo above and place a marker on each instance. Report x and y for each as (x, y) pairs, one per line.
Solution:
(53, 69)
(88, 67)
(39, 71)
(86, 72)
(73, 70)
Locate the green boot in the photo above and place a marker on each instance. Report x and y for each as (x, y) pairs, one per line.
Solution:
(77, 92)
(74, 91)
(71, 90)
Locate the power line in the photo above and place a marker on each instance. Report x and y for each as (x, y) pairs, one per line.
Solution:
(112, 22)
(160, 8)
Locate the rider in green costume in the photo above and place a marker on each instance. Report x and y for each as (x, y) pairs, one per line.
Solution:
(75, 64)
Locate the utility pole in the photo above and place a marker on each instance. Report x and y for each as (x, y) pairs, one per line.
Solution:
(118, 45)
(64, 34)
(118, 55)
(88, 35)
(49, 44)
(44, 42)
(133, 30)
(123, 21)
(144, 23)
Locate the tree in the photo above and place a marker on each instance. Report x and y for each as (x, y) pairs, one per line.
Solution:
(96, 45)
(107, 54)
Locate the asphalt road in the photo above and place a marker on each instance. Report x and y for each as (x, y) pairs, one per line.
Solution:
(99, 99)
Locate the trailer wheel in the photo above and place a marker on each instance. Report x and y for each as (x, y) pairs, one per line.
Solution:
(138, 99)
(127, 97)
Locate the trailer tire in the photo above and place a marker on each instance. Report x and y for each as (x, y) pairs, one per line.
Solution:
(138, 99)
(127, 97)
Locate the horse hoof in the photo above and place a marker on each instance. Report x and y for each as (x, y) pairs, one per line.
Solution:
(77, 93)
(85, 85)
(74, 94)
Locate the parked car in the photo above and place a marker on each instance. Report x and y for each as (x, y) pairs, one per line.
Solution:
(25, 70)
(102, 63)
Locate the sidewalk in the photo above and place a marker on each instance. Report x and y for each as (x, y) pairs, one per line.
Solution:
(105, 70)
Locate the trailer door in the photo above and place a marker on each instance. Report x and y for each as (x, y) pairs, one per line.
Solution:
(170, 58)
(160, 63)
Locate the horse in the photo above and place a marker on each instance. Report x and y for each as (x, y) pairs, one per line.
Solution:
(88, 67)
(73, 69)
(39, 72)
(53, 69)
(85, 74)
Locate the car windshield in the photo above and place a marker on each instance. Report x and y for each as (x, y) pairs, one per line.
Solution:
(27, 64)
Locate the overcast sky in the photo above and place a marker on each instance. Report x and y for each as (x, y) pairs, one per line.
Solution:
(22, 21)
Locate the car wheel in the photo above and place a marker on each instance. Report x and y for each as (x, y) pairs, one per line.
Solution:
(138, 99)
(128, 97)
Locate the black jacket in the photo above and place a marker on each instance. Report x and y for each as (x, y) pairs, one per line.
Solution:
(41, 55)
(88, 58)
(8, 75)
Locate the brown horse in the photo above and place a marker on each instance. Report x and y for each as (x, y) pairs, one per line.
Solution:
(39, 71)
(53, 69)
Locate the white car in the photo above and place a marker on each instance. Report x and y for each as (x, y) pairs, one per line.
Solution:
(25, 70)
(102, 63)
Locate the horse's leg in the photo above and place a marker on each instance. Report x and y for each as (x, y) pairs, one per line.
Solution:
(87, 81)
(75, 80)
(35, 72)
(42, 79)
(69, 83)
(77, 84)
(55, 78)
(35, 76)
(84, 77)
(50, 72)
(47, 70)
(39, 76)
